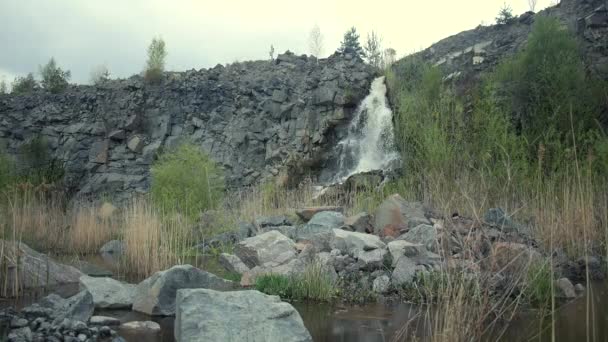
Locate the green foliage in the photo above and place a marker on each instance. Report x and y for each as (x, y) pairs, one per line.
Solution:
(37, 164)
(431, 287)
(538, 283)
(53, 78)
(373, 49)
(505, 15)
(313, 284)
(155, 66)
(7, 171)
(99, 75)
(350, 43)
(186, 180)
(23, 85)
(3, 87)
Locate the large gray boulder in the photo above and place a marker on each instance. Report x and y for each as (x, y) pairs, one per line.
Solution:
(399, 248)
(79, 307)
(307, 213)
(108, 293)
(232, 263)
(405, 272)
(112, 247)
(270, 249)
(209, 316)
(423, 234)
(395, 215)
(156, 295)
(319, 229)
(36, 269)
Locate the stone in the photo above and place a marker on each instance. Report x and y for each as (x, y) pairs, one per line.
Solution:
(399, 248)
(405, 272)
(396, 215)
(307, 213)
(565, 289)
(272, 221)
(36, 269)
(423, 234)
(204, 315)
(512, 258)
(79, 307)
(141, 326)
(269, 249)
(496, 217)
(112, 247)
(232, 263)
(579, 288)
(371, 260)
(361, 223)
(353, 243)
(381, 284)
(155, 296)
(104, 320)
(118, 135)
(108, 293)
(136, 144)
(319, 228)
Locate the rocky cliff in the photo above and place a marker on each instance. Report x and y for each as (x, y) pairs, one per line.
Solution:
(253, 118)
(464, 56)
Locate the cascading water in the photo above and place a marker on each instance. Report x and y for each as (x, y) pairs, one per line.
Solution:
(369, 144)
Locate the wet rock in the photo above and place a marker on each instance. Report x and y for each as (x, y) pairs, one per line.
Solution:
(251, 316)
(112, 247)
(108, 293)
(79, 307)
(423, 234)
(361, 223)
(141, 326)
(232, 263)
(269, 250)
(396, 215)
(307, 213)
(565, 289)
(104, 320)
(381, 284)
(156, 295)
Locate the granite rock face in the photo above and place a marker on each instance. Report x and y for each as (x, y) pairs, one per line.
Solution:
(256, 119)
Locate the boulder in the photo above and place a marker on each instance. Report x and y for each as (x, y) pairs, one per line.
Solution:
(371, 260)
(360, 223)
(269, 249)
(36, 269)
(565, 289)
(307, 213)
(399, 248)
(319, 229)
(141, 326)
(512, 258)
(207, 315)
(232, 263)
(272, 221)
(497, 218)
(112, 247)
(108, 293)
(395, 215)
(156, 295)
(423, 234)
(104, 320)
(79, 307)
(353, 243)
(405, 272)
(381, 284)
(136, 144)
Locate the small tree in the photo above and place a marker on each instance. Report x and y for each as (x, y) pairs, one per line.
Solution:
(532, 5)
(3, 87)
(155, 66)
(505, 15)
(271, 52)
(315, 41)
(22, 85)
(350, 43)
(100, 74)
(54, 79)
(373, 49)
(389, 57)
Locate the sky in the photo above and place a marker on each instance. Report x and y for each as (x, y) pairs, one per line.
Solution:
(83, 34)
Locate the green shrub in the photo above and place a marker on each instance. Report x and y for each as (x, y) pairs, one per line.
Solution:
(537, 288)
(155, 66)
(23, 85)
(313, 284)
(505, 15)
(37, 166)
(54, 79)
(7, 171)
(186, 180)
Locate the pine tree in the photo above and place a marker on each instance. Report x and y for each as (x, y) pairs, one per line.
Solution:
(350, 44)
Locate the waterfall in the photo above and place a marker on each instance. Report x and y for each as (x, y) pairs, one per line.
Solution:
(370, 142)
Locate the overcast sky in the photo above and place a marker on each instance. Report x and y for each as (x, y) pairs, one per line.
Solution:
(82, 34)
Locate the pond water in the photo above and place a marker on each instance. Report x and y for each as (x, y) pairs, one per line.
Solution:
(583, 319)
